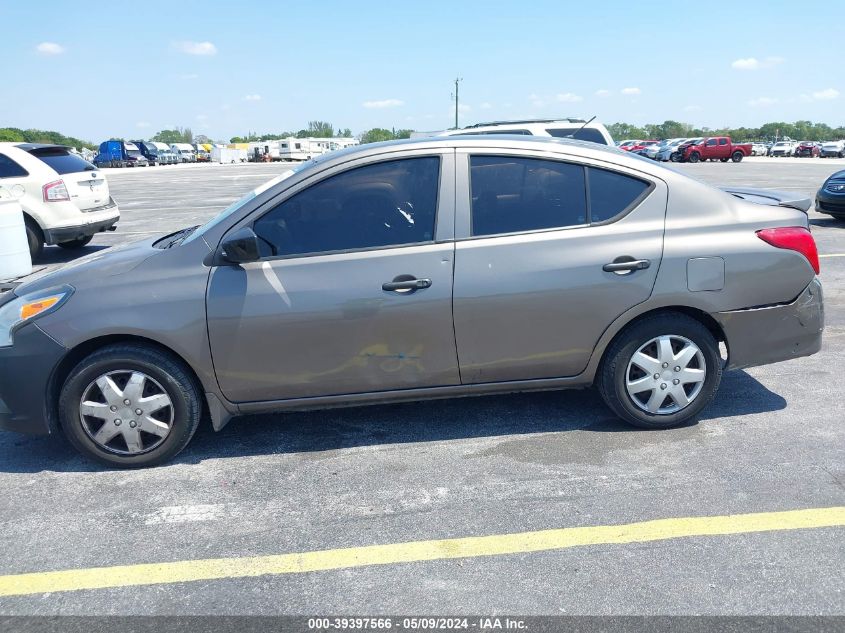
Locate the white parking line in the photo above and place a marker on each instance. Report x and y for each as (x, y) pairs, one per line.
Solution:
(833, 255)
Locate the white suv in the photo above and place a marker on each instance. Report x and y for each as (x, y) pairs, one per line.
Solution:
(65, 199)
(560, 128)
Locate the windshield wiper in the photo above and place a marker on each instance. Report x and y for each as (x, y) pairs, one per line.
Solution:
(179, 236)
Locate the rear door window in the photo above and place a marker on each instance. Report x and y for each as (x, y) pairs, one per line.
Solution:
(10, 169)
(513, 194)
(612, 193)
(61, 160)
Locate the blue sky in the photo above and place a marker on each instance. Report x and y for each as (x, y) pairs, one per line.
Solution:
(128, 69)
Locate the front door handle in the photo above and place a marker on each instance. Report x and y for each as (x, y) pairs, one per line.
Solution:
(406, 283)
(626, 264)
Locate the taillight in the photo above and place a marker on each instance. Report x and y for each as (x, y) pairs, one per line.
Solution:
(55, 191)
(794, 238)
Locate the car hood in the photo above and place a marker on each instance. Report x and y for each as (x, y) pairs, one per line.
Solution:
(105, 263)
(771, 197)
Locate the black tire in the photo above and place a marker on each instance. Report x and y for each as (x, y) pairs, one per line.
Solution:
(737, 156)
(723, 160)
(612, 371)
(173, 376)
(78, 243)
(675, 157)
(35, 239)
(694, 157)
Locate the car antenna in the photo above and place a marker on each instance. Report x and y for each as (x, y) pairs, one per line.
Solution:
(586, 123)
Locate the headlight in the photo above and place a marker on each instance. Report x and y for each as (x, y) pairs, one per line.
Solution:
(28, 307)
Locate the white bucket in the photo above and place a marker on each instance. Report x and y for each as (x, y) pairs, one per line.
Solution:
(14, 248)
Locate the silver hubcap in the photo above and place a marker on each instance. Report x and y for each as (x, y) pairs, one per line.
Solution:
(665, 375)
(126, 412)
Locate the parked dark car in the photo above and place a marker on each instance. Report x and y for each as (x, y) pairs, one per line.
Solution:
(830, 198)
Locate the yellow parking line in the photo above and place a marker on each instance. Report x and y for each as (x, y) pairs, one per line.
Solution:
(415, 551)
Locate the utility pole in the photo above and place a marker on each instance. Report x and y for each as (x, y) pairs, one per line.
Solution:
(455, 97)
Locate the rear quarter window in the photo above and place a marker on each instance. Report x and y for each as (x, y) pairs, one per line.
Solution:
(61, 160)
(612, 193)
(10, 169)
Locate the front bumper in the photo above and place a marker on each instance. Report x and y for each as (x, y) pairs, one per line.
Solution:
(26, 368)
(759, 336)
(830, 203)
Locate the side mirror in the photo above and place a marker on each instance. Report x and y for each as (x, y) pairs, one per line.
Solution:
(240, 247)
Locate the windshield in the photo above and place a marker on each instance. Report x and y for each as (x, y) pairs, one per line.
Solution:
(133, 152)
(235, 206)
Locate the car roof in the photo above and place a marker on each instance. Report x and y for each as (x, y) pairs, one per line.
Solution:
(28, 147)
(572, 147)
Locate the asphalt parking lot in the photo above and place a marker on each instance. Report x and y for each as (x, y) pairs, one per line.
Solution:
(773, 441)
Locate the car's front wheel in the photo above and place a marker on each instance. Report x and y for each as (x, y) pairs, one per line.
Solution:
(130, 406)
(694, 157)
(661, 371)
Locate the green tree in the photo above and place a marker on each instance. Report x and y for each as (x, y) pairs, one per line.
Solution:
(376, 134)
(320, 129)
(179, 135)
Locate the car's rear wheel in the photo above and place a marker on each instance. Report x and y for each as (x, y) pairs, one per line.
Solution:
(78, 243)
(661, 371)
(736, 157)
(130, 406)
(694, 157)
(34, 238)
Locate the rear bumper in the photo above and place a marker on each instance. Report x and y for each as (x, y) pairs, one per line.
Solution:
(759, 336)
(96, 222)
(25, 371)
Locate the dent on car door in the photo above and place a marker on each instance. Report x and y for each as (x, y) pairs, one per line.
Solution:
(552, 252)
(353, 293)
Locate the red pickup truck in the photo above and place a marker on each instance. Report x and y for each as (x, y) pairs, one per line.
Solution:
(715, 148)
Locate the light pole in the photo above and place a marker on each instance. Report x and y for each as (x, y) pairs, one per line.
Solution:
(455, 97)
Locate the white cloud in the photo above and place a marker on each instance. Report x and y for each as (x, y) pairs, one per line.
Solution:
(462, 107)
(142, 124)
(762, 102)
(252, 98)
(225, 107)
(383, 103)
(536, 100)
(752, 63)
(202, 117)
(602, 93)
(568, 97)
(631, 91)
(826, 95)
(187, 76)
(692, 108)
(196, 48)
(50, 48)
(486, 105)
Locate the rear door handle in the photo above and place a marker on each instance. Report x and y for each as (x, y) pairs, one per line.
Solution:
(626, 264)
(403, 284)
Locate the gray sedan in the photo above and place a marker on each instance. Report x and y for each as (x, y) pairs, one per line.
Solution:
(441, 267)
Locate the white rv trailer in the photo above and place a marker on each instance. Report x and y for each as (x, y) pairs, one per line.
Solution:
(306, 148)
(227, 155)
